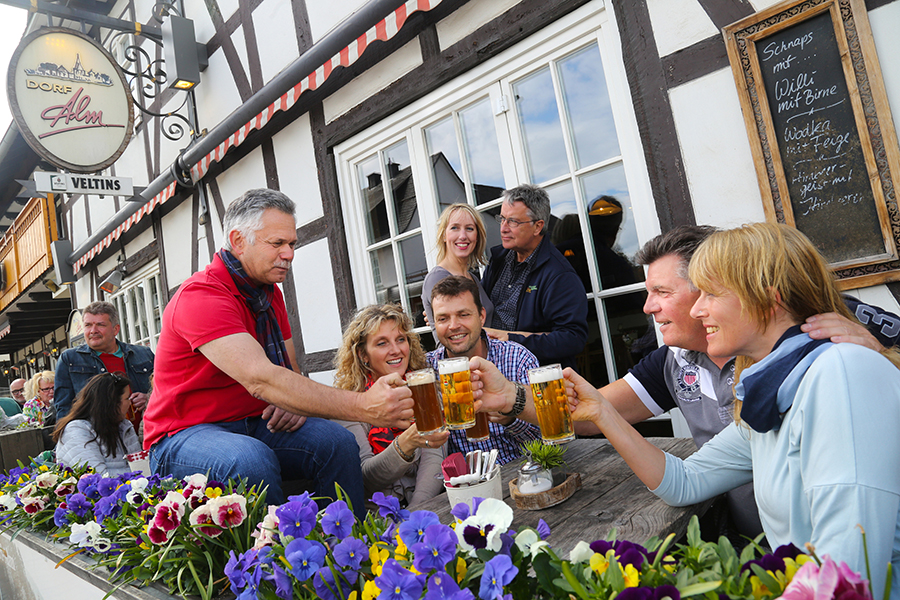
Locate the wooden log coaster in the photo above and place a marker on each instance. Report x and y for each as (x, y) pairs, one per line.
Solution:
(566, 484)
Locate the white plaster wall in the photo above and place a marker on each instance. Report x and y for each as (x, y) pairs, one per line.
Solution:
(245, 175)
(468, 18)
(168, 149)
(678, 23)
(297, 173)
(323, 377)
(716, 151)
(102, 210)
(217, 95)
(196, 11)
(240, 45)
(276, 37)
(79, 223)
(316, 299)
(133, 162)
(378, 77)
(325, 16)
(758, 5)
(176, 236)
(885, 22)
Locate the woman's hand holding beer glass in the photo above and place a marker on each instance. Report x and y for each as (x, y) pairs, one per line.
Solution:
(388, 403)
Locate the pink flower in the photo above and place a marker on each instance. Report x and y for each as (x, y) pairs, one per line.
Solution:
(812, 582)
(158, 535)
(34, 505)
(46, 480)
(228, 511)
(66, 487)
(169, 512)
(26, 491)
(200, 517)
(266, 532)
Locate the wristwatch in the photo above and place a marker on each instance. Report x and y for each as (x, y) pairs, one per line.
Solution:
(519, 404)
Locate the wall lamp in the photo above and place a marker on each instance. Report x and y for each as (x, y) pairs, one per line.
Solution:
(113, 281)
(180, 52)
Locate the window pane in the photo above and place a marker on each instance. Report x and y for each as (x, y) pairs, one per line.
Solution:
(482, 151)
(154, 302)
(587, 105)
(123, 316)
(372, 192)
(403, 191)
(446, 164)
(631, 331)
(565, 229)
(412, 253)
(492, 227)
(612, 226)
(385, 275)
(539, 119)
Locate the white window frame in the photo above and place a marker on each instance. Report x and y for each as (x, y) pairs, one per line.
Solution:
(593, 22)
(127, 319)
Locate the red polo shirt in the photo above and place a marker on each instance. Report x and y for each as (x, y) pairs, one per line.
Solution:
(187, 388)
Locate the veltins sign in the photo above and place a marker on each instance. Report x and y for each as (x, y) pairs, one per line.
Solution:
(70, 100)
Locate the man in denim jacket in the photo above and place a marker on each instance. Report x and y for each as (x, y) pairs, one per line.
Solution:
(101, 354)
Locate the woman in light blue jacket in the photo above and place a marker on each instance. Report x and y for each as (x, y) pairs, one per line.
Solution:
(96, 431)
(816, 423)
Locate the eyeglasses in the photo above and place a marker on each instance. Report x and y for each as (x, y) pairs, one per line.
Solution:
(513, 223)
(17, 392)
(47, 389)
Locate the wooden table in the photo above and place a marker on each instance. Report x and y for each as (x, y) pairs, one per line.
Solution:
(19, 444)
(610, 496)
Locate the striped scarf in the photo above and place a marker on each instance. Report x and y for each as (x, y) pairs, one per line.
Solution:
(259, 301)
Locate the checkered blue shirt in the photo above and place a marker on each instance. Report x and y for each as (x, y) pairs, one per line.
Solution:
(513, 360)
(506, 291)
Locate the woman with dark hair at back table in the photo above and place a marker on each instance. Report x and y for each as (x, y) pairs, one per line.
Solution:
(96, 431)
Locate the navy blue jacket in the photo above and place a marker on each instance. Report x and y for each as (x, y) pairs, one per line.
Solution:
(77, 365)
(553, 301)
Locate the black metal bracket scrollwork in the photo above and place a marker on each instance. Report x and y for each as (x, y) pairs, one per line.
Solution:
(147, 79)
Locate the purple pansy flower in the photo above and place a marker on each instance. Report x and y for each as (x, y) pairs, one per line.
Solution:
(350, 553)
(443, 587)
(326, 586)
(87, 485)
(396, 583)
(106, 507)
(462, 511)
(60, 516)
(238, 568)
(107, 486)
(413, 529)
(78, 504)
(389, 507)
(437, 548)
(543, 529)
(498, 572)
(284, 585)
(296, 519)
(774, 562)
(305, 556)
(338, 520)
(648, 593)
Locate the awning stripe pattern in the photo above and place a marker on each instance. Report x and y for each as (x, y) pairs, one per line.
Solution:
(383, 30)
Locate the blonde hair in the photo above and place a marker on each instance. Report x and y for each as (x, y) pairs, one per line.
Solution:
(478, 256)
(352, 374)
(756, 260)
(33, 385)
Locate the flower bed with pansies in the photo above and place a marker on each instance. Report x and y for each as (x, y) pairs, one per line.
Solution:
(204, 538)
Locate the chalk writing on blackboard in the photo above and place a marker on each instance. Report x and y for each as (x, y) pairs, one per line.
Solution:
(824, 165)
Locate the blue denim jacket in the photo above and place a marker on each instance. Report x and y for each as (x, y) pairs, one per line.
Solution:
(77, 365)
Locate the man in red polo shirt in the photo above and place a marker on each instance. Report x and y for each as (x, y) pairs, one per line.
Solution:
(226, 398)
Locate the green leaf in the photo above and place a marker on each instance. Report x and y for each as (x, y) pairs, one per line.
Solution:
(699, 588)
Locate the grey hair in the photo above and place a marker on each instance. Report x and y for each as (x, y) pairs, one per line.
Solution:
(244, 215)
(103, 308)
(535, 199)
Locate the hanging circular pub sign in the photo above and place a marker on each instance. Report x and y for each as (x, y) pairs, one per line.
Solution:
(70, 100)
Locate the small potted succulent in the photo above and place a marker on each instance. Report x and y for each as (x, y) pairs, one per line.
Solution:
(536, 473)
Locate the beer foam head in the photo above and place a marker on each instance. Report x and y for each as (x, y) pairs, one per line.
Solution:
(420, 377)
(453, 365)
(545, 374)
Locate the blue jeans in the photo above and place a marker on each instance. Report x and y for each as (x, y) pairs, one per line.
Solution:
(321, 451)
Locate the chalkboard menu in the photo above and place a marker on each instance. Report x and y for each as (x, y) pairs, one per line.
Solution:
(821, 134)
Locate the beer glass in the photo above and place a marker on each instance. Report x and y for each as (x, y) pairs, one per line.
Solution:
(456, 392)
(551, 404)
(480, 431)
(427, 407)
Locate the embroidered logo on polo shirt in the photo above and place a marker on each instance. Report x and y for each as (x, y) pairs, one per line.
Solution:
(688, 383)
(530, 288)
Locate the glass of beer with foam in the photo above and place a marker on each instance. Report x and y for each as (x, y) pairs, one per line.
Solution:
(456, 392)
(427, 407)
(551, 404)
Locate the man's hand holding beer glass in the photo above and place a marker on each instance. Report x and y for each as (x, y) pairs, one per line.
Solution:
(388, 403)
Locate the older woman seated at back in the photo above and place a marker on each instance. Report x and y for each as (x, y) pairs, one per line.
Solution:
(816, 421)
(379, 341)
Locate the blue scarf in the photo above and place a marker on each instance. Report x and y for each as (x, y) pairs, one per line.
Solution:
(768, 387)
(259, 300)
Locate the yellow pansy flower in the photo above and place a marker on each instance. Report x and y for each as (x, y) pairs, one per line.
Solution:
(402, 551)
(377, 556)
(370, 590)
(599, 564)
(461, 569)
(632, 576)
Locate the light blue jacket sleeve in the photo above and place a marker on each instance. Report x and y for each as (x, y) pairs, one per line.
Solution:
(844, 428)
(722, 464)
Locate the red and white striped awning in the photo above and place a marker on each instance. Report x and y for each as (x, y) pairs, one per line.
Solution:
(384, 30)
